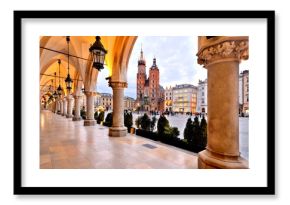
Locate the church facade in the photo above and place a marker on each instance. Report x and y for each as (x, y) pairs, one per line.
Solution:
(148, 88)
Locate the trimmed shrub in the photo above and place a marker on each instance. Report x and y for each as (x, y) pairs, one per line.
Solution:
(96, 115)
(101, 117)
(147, 134)
(83, 114)
(162, 124)
(145, 122)
(188, 131)
(152, 123)
(138, 122)
(196, 135)
(128, 120)
(203, 133)
(109, 120)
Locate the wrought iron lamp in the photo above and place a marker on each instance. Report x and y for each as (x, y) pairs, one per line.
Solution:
(98, 52)
(68, 80)
(59, 89)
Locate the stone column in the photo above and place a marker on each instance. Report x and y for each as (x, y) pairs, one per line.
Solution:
(118, 129)
(90, 121)
(58, 106)
(77, 116)
(61, 107)
(64, 107)
(221, 58)
(69, 106)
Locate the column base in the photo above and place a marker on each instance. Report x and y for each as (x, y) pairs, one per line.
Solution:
(69, 116)
(209, 160)
(63, 115)
(89, 122)
(58, 112)
(77, 118)
(118, 131)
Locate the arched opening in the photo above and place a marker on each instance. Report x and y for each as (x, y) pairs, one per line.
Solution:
(116, 64)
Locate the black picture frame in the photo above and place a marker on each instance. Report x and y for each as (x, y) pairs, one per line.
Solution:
(19, 189)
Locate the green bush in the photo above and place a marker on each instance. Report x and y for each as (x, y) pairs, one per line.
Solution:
(145, 122)
(148, 134)
(188, 130)
(96, 115)
(83, 114)
(138, 122)
(203, 133)
(164, 129)
(109, 120)
(101, 117)
(152, 123)
(128, 120)
(162, 124)
(196, 132)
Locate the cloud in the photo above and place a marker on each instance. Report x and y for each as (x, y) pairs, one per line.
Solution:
(175, 56)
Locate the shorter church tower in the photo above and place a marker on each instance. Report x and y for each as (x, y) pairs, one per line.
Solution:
(154, 88)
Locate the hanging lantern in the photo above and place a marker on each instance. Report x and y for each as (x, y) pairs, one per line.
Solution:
(98, 52)
(59, 89)
(68, 82)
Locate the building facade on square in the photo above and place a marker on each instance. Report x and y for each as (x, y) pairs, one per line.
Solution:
(129, 103)
(161, 100)
(168, 99)
(148, 89)
(184, 98)
(202, 96)
(106, 101)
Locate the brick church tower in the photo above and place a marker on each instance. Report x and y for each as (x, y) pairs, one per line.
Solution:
(154, 86)
(141, 77)
(148, 89)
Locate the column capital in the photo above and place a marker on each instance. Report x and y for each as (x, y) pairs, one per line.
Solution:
(77, 96)
(223, 49)
(116, 85)
(90, 93)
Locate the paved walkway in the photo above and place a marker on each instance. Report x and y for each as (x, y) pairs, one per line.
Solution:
(65, 144)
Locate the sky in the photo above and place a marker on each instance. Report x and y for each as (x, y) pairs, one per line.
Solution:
(175, 57)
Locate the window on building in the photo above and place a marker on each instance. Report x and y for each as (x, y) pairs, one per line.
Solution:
(202, 93)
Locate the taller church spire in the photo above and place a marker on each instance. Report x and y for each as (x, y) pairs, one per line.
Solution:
(141, 60)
